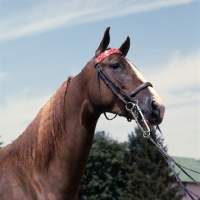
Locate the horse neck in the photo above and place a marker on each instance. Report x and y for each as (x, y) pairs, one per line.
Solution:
(81, 119)
(81, 115)
(36, 146)
(58, 141)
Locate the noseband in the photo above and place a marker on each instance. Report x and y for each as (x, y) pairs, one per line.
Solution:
(131, 105)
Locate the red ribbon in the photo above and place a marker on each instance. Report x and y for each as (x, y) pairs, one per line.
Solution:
(107, 53)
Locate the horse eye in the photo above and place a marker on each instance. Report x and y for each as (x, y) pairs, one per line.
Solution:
(115, 66)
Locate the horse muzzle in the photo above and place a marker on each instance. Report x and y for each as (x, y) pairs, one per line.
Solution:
(155, 114)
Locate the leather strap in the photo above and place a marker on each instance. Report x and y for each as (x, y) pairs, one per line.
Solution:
(99, 91)
(141, 87)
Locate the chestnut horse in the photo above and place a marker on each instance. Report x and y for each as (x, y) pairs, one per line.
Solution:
(47, 161)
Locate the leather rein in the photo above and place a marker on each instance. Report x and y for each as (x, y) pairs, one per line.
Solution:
(133, 108)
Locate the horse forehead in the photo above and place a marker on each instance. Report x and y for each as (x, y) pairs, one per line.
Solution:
(136, 71)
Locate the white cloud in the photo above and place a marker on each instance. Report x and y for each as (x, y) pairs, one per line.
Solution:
(2, 75)
(48, 15)
(178, 81)
(181, 129)
(25, 90)
(16, 114)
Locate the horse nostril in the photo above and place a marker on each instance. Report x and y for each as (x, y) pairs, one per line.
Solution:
(155, 108)
(157, 112)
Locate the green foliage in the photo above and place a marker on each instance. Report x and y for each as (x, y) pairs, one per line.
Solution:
(123, 171)
(149, 175)
(105, 175)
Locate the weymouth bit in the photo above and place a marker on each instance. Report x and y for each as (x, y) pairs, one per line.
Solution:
(135, 111)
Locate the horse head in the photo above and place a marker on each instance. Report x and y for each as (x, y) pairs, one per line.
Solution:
(119, 73)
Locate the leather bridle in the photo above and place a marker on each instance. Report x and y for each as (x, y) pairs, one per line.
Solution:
(131, 105)
(112, 85)
(133, 108)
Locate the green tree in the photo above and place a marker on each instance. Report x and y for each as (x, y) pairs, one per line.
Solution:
(133, 170)
(105, 175)
(149, 175)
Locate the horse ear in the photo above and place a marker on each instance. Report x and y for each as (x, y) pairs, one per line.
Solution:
(104, 43)
(125, 46)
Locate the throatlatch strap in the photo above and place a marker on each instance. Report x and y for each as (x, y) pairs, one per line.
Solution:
(99, 89)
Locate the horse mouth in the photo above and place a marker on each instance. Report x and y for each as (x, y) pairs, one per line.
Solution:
(139, 120)
(153, 124)
(144, 118)
(153, 119)
(150, 121)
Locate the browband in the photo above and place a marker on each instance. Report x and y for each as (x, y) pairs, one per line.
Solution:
(106, 53)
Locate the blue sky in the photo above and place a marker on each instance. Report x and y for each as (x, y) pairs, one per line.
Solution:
(44, 42)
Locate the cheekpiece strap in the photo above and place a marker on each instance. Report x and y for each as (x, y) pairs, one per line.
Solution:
(106, 53)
